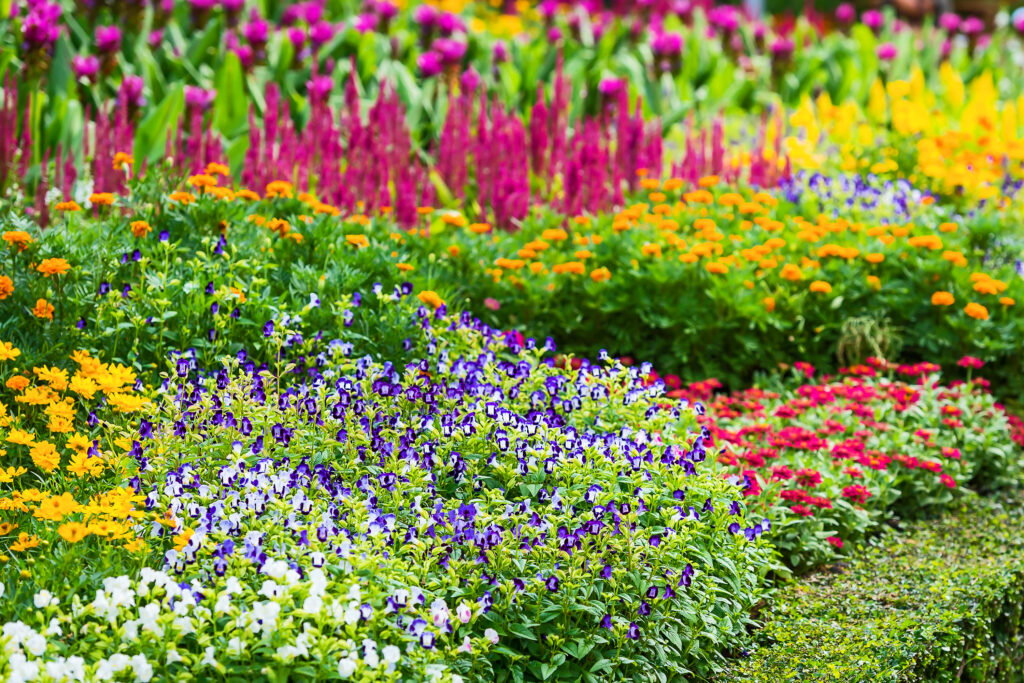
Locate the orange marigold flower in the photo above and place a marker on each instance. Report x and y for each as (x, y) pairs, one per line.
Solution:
(769, 303)
(1007, 301)
(430, 298)
(717, 267)
(17, 383)
(573, 267)
(947, 227)
(357, 240)
(651, 250)
(600, 274)
(554, 235)
(182, 197)
(140, 228)
(53, 266)
(202, 180)
(479, 228)
(791, 272)
(874, 257)
(18, 238)
(424, 210)
(821, 287)
(247, 194)
(404, 267)
(942, 299)
(933, 242)
(43, 309)
(454, 250)
(122, 158)
(101, 198)
(213, 168)
(279, 188)
(6, 287)
(708, 181)
(69, 206)
(976, 311)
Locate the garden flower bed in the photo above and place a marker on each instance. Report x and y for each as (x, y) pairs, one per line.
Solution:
(280, 292)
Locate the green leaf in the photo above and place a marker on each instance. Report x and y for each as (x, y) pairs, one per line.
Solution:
(230, 106)
(152, 132)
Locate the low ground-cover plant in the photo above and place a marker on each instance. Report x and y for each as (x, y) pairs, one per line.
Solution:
(477, 511)
(940, 602)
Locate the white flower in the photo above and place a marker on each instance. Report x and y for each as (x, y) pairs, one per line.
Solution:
(142, 668)
(54, 628)
(467, 645)
(36, 643)
(464, 612)
(43, 599)
(391, 654)
(275, 569)
(2, 589)
(236, 646)
(270, 589)
(208, 657)
(21, 669)
(351, 615)
(346, 667)
(313, 605)
(491, 635)
(173, 656)
(148, 616)
(371, 659)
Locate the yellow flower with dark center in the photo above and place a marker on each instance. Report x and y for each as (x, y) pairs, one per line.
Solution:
(56, 508)
(24, 542)
(73, 532)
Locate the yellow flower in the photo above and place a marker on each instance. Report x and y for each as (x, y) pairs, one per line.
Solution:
(78, 443)
(57, 508)
(21, 438)
(45, 456)
(821, 287)
(430, 298)
(56, 377)
(126, 403)
(942, 299)
(8, 474)
(8, 352)
(82, 464)
(83, 386)
(976, 311)
(24, 542)
(73, 532)
(43, 309)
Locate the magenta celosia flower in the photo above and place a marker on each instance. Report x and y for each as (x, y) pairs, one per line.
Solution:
(845, 13)
(296, 36)
(232, 6)
(40, 28)
(425, 16)
(610, 86)
(429, 64)
(256, 31)
(972, 26)
(470, 79)
(366, 22)
(108, 38)
(155, 37)
(782, 47)
(199, 97)
(85, 66)
(873, 19)
(321, 32)
(130, 91)
(450, 51)
(449, 23)
(500, 52)
(320, 86)
(386, 9)
(949, 21)
(667, 44)
(886, 52)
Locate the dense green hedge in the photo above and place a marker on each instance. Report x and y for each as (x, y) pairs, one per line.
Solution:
(940, 603)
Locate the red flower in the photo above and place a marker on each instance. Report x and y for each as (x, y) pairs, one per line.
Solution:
(856, 493)
(781, 473)
(804, 367)
(952, 453)
(802, 511)
(808, 478)
(948, 481)
(970, 362)
(835, 541)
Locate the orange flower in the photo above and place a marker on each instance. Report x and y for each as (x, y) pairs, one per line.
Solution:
(942, 299)
(404, 267)
(791, 272)
(932, 242)
(43, 309)
(18, 238)
(600, 274)
(1006, 301)
(53, 266)
(202, 180)
(140, 228)
(454, 249)
(24, 542)
(182, 197)
(101, 198)
(947, 227)
(357, 240)
(279, 188)
(69, 206)
(708, 181)
(424, 210)
(479, 228)
(247, 194)
(976, 311)
(874, 257)
(821, 287)
(122, 158)
(769, 303)
(717, 267)
(214, 168)
(651, 250)
(17, 382)
(574, 267)
(554, 235)
(430, 298)
(6, 287)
